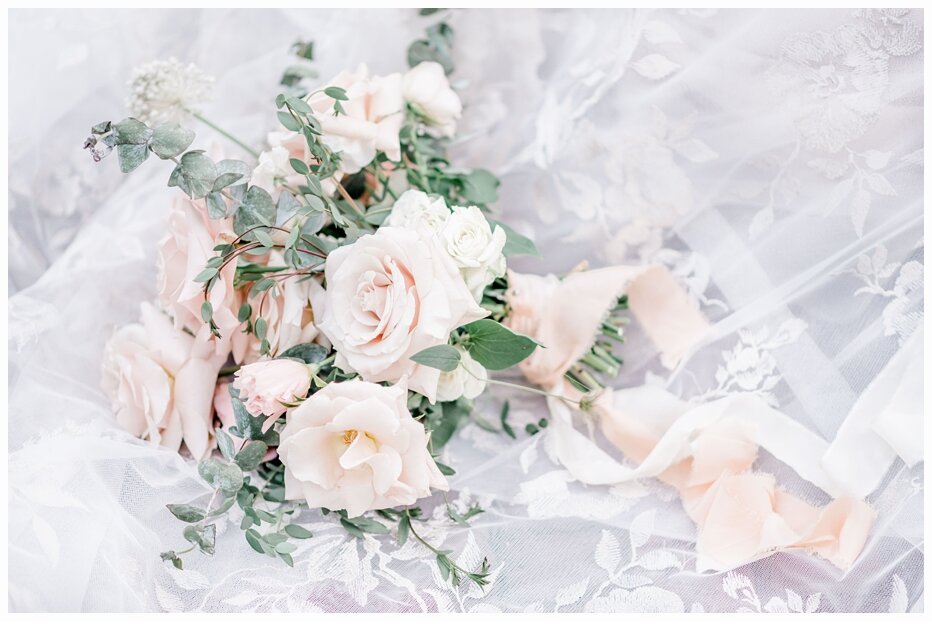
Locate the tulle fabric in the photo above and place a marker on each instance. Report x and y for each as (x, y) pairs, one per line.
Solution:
(771, 159)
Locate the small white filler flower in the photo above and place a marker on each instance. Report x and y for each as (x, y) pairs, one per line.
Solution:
(167, 91)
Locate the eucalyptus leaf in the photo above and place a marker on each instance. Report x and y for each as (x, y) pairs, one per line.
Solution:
(186, 513)
(131, 156)
(251, 455)
(296, 531)
(170, 140)
(307, 352)
(480, 187)
(257, 208)
(216, 206)
(198, 173)
(131, 131)
(227, 478)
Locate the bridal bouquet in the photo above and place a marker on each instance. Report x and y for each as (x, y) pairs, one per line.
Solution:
(329, 308)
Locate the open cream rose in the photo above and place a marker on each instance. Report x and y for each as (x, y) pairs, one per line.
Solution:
(354, 446)
(161, 381)
(389, 295)
(374, 113)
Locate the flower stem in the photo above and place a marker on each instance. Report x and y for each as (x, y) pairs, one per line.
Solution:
(223, 132)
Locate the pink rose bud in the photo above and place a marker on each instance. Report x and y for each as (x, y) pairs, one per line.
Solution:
(267, 387)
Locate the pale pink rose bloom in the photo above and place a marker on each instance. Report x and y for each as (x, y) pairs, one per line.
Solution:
(373, 118)
(287, 311)
(267, 386)
(182, 254)
(354, 446)
(160, 381)
(390, 295)
(427, 87)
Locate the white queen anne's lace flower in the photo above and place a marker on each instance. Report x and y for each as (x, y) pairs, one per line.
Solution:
(167, 91)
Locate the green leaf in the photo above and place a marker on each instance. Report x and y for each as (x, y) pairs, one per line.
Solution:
(170, 140)
(298, 166)
(352, 528)
(245, 311)
(287, 559)
(225, 477)
(206, 274)
(257, 208)
(197, 174)
(480, 187)
(131, 131)
(516, 244)
(289, 122)
(495, 346)
(186, 513)
(296, 531)
(285, 547)
(231, 171)
(207, 311)
(264, 237)
(248, 425)
(101, 128)
(404, 528)
(307, 352)
(446, 470)
(251, 455)
(261, 328)
(216, 206)
(254, 540)
(336, 93)
(444, 357)
(367, 525)
(131, 156)
(225, 442)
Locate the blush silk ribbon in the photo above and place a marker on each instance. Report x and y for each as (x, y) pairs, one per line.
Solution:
(706, 451)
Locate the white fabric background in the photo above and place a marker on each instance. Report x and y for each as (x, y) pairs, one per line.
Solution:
(772, 159)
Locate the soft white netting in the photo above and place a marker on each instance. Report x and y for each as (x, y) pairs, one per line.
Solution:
(773, 160)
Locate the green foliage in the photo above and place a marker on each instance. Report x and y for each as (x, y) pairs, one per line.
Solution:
(437, 46)
(170, 140)
(495, 346)
(516, 244)
(443, 357)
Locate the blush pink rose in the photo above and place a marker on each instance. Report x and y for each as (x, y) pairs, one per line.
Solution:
(372, 122)
(354, 446)
(160, 381)
(182, 254)
(390, 295)
(266, 387)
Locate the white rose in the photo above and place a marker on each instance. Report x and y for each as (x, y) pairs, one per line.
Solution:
(416, 211)
(354, 446)
(468, 379)
(389, 295)
(426, 86)
(475, 246)
(374, 113)
(160, 381)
